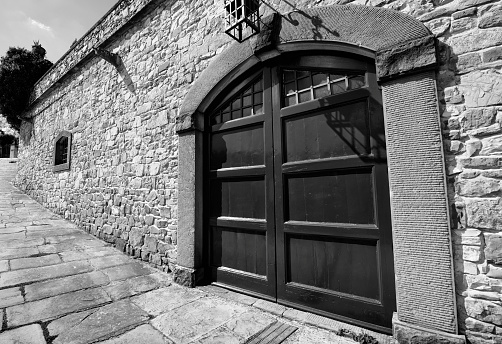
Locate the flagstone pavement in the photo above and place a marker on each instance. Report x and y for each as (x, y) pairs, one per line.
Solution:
(60, 285)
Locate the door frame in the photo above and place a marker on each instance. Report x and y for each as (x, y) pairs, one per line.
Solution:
(271, 69)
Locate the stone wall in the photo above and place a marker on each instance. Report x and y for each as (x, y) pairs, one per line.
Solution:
(122, 185)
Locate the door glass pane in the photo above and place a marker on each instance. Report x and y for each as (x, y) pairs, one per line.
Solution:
(237, 148)
(339, 131)
(311, 81)
(241, 104)
(339, 196)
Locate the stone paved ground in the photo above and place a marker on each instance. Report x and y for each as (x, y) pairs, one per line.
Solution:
(60, 285)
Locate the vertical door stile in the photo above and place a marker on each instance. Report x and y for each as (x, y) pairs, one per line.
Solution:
(269, 176)
(278, 180)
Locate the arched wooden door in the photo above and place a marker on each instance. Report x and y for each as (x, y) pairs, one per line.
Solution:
(298, 198)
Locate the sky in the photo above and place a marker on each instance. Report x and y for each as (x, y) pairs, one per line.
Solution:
(54, 23)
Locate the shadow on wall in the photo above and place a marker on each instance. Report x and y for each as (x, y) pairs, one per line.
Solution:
(116, 61)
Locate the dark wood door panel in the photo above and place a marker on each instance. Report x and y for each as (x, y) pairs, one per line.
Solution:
(337, 265)
(239, 249)
(336, 196)
(362, 312)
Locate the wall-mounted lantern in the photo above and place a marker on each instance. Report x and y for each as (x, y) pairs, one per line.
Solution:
(242, 18)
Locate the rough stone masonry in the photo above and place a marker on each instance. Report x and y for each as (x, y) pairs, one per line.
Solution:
(122, 185)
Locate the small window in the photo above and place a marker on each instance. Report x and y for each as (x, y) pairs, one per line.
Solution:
(62, 148)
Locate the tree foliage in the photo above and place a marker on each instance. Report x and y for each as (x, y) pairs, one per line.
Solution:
(19, 71)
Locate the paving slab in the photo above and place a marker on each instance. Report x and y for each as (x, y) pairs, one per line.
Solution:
(103, 323)
(121, 272)
(307, 335)
(76, 244)
(53, 233)
(4, 265)
(136, 285)
(141, 334)
(270, 307)
(109, 261)
(10, 297)
(41, 290)
(10, 230)
(31, 334)
(13, 253)
(220, 335)
(18, 235)
(55, 307)
(196, 319)
(34, 262)
(166, 299)
(18, 243)
(94, 252)
(250, 323)
(11, 278)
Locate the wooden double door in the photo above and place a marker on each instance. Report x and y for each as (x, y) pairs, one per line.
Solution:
(297, 202)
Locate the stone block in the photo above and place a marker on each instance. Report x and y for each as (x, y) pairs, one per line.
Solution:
(136, 237)
(150, 244)
(463, 24)
(485, 295)
(477, 187)
(492, 18)
(492, 146)
(439, 26)
(165, 212)
(472, 147)
(467, 237)
(482, 338)
(494, 271)
(482, 88)
(493, 248)
(149, 219)
(468, 61)
(154, 168)
(107, 229)
(475, 40)
(145, 255)
(406, 57)
(120, 244)
(477, 118)
(464, 13)
(471, 253)
(484, 213)
(479, 326)
(483, 310)
(153, 230)
(492, 55)
(406, 333)
(485, 131)
(31, 334)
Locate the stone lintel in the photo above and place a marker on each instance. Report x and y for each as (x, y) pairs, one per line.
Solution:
(406, 333)
(187, 277)
(410, 57)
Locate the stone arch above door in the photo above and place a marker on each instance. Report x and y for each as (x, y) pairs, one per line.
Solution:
(399, 43)
(404, 52)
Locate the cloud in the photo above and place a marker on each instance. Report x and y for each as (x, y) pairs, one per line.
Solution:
(39, 25)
